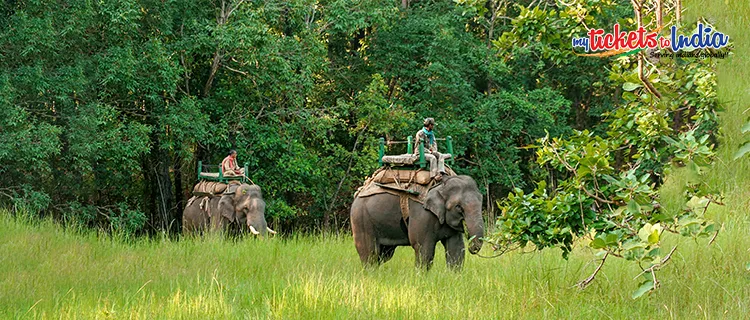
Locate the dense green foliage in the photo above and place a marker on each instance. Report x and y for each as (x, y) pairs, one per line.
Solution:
(108, 106)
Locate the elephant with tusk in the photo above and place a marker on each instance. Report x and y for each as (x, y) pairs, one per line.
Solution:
(256, 232)
(379, 226)
(240, 205)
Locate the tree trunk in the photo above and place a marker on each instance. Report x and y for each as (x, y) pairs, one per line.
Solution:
(168, 219)
(178, 190)
(161, 201)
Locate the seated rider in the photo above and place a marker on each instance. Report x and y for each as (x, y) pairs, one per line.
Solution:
(426, 137)
(229, 165)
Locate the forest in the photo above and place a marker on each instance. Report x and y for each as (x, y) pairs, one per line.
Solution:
(107, 107)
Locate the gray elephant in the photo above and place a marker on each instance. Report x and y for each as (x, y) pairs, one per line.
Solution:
(241, 206)
(378, 226)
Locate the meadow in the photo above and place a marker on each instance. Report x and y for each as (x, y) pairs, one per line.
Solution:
(48, 271)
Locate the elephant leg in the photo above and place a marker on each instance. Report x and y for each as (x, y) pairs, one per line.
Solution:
(454, 252)
(365, 243)
(386, 253)
(424, 252)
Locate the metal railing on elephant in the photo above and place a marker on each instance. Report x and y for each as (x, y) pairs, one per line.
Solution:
(410, 149)
(205, 173)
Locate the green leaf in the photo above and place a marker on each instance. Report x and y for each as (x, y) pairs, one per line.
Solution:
(686, 221)
(618, 211)
(645, 232)
(611, 239)
(633, 207)
(609, 179)
(744, 149)
(598, 243)
(747, 266)
(746, 128)
(694, 168)
(669, 140)
(654, 252)
(653, 238)
(630, 86)
(645, 287)
(709, 228)
(633, 244)
(629, 96)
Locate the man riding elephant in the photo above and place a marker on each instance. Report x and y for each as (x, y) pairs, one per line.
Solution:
(229, 165)
(241, 207)
(426, 137)
(383, 221)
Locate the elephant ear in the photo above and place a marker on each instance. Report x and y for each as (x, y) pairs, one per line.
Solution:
(435, 203)
(226, 201)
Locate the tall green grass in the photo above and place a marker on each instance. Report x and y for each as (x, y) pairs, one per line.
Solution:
(48, 272)
(732, 177)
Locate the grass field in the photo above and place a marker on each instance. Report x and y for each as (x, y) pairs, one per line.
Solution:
(52, 273)
(48, 272)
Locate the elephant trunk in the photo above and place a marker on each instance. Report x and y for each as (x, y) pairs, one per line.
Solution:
(474, 225)
(256, 220)
(257, 226)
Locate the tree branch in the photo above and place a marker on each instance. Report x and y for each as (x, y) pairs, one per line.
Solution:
(235, 70)
(656, 266)
(585, 282)
(595, 196)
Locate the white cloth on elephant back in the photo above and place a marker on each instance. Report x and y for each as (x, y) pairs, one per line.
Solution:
(401, 159)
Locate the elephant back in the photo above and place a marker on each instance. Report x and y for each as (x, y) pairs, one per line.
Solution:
(412, 184)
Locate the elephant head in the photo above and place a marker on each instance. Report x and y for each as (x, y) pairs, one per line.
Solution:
(246, 207)
(458, 198)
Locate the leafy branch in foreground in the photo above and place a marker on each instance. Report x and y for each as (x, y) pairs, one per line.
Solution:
(617, 213)
(600, 186)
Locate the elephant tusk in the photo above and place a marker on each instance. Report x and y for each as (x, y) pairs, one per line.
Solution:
(270, 230)
(252, 229)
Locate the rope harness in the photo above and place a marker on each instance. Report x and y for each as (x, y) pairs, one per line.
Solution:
(205, 197)
(405, 196)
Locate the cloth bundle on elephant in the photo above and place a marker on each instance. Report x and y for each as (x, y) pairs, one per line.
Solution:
(393, 209)
(205, 187)
(237, 207)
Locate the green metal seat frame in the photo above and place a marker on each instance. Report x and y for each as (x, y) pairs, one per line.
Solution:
(221, 178)
(422, 163)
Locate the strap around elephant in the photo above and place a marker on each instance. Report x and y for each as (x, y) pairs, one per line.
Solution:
(404, 204)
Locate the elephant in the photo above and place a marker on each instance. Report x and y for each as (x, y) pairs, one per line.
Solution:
(240, 205)
(378, 226)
